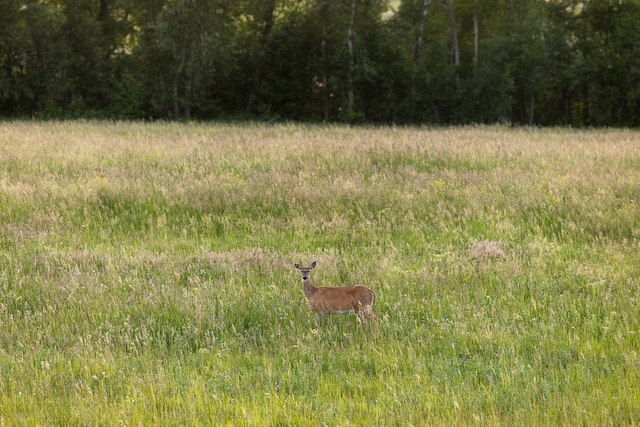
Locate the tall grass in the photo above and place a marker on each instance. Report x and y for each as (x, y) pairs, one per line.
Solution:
(147, 275)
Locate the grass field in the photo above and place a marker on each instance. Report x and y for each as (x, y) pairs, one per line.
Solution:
(147, 275)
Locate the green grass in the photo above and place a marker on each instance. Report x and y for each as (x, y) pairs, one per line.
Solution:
(147, 275)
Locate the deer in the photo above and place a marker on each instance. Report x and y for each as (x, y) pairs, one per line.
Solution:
(338, 300)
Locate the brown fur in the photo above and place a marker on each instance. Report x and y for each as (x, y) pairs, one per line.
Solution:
(346, 299)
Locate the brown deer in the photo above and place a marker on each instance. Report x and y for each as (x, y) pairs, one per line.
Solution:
(333, 300)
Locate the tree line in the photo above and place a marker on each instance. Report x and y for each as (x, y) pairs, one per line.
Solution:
(535, 62)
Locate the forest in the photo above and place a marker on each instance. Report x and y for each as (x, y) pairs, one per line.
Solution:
(441, 62)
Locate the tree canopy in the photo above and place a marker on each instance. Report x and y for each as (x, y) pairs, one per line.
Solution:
(536, 62)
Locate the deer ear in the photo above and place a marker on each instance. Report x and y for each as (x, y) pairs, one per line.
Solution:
(313, 265)
(297, 265)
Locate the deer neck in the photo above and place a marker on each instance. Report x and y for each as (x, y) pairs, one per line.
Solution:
(309, 289)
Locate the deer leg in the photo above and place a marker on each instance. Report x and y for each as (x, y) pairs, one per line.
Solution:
(357, 308)
(368, 313)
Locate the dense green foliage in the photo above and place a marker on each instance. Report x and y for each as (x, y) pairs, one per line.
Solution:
(147, 275)
(548, 62)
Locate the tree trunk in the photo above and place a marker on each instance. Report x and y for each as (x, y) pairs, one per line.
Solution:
(475, 35)
(324, 60)
(418, 46)
(350, 36)
(454, 33)
(586, 119)
(176, 92)
(262, 52)
(188, 89)
(103, 12)
(532, 108)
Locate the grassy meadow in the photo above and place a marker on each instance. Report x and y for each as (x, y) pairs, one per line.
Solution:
(146, 275)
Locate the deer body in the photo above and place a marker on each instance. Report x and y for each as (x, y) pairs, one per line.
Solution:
(338, 300)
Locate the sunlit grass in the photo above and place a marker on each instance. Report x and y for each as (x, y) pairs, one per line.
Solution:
(147, 275)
